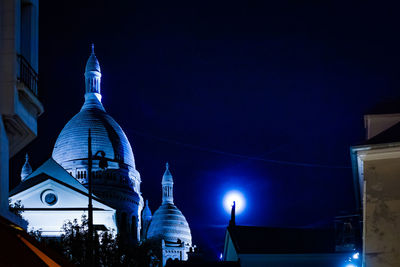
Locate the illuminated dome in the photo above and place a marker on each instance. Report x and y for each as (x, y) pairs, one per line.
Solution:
(168, 222)
(118, 185)
(107, 135)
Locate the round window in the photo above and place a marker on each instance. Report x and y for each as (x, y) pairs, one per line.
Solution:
(49, 197)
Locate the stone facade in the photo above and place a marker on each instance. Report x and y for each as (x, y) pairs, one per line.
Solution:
(119, 184)
(50, 197)
(19, 103)
(379, 170)
(376, 168)
(116, 187)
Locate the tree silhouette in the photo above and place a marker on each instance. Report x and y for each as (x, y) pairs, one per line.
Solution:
(110, 249)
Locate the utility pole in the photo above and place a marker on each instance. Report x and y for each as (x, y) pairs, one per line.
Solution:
(90, 206)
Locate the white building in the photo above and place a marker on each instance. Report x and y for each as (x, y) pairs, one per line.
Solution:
(168, 225)
(19, 102)
(51, 197)
(56, 192)
(376, 168)
(116, 188)
(119, 184)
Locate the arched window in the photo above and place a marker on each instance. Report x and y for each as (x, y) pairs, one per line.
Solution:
(134, 226)
(123, 222)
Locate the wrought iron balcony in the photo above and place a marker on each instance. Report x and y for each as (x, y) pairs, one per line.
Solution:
(27, 75)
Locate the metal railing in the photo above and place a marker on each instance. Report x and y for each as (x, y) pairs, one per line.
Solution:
(27, 74)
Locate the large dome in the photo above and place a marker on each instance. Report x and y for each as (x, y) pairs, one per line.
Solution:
(168, 223)
(118, 185)
(107, 135)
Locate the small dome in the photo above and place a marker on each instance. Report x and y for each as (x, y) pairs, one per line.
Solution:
(168, 223)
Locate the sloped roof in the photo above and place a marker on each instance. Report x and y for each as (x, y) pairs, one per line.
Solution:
(268, 240)
(43, 177)
(53, 169)
(391, 135)
(20, 249)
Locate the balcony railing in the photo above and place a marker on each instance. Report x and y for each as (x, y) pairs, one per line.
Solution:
(27, 75)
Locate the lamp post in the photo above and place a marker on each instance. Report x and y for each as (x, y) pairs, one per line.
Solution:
(102, 164)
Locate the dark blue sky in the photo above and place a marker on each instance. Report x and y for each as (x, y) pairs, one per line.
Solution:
(219, 89)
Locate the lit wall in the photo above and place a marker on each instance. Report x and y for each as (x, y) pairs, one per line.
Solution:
(63, 204)
(381, 207)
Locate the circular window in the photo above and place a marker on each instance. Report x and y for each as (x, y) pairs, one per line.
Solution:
(49, 197)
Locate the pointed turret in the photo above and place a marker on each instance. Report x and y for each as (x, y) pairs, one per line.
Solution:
(146, 211)
(26, 169)
(146, 219)
(167, 186)
(92, 82)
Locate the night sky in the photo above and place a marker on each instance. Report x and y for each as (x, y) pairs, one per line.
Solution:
(261, 98)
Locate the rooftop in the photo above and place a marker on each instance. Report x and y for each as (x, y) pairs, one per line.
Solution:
(268, 240)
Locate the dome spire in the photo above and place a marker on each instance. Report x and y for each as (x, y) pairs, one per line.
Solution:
(167, 186)
(92, 74)
(92, 82)
(26, 169)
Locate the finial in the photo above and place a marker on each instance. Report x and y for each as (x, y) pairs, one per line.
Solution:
(167, 165)
(26, 157)
(93, 48)
(147, 202)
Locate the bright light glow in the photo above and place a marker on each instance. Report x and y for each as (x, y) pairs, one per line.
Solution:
(239, 199)
(356, 256)
(350, 265)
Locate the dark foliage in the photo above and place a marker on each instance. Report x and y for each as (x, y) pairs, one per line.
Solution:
(109, 248)
(16, 208)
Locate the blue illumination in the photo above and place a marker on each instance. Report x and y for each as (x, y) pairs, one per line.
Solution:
(239, 199)
(221, 257)
(356, 256)
(350, 265)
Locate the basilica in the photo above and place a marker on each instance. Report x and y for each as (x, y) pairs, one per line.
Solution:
(57, 191)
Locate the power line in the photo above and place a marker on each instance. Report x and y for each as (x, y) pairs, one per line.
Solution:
(220, 152)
